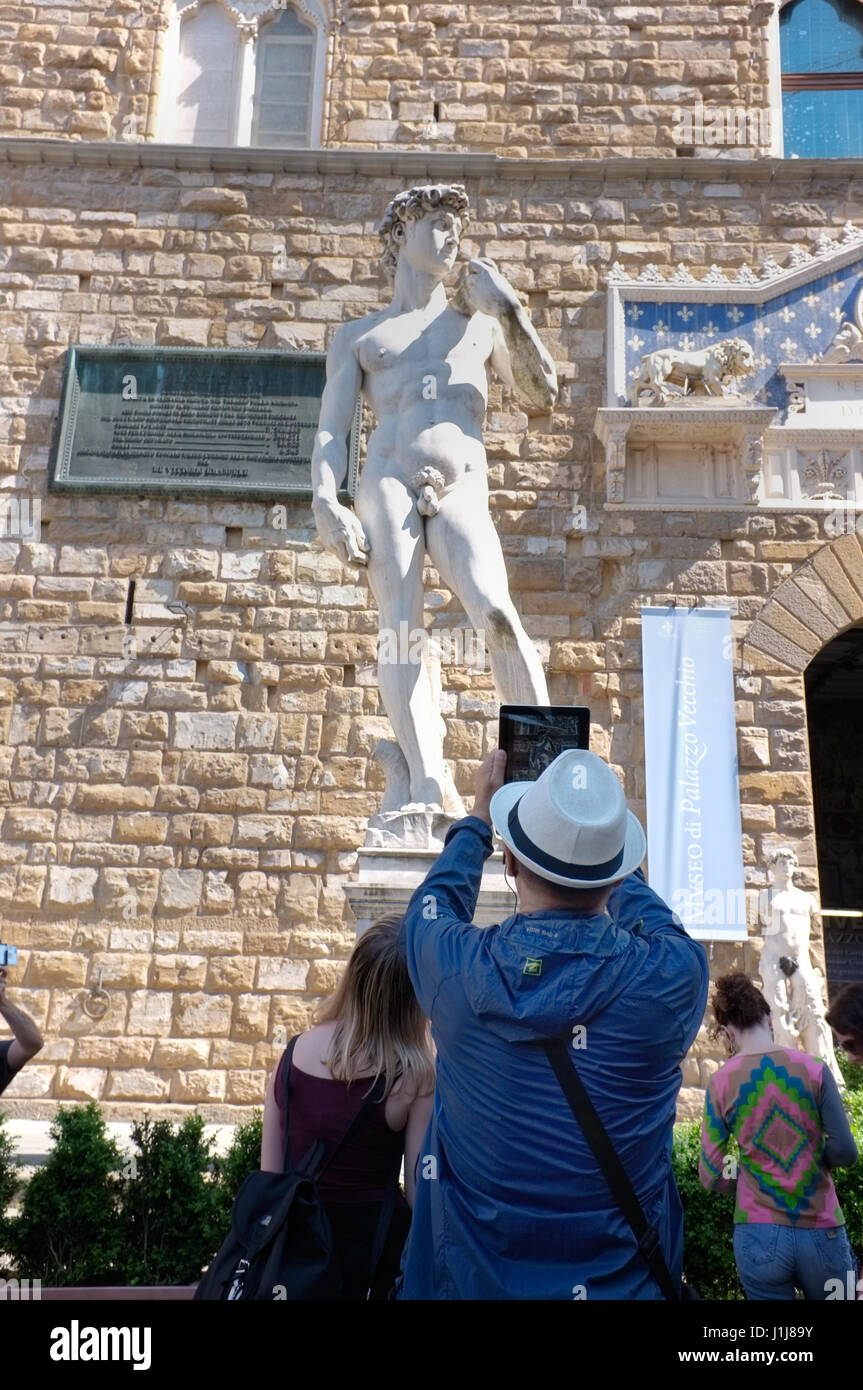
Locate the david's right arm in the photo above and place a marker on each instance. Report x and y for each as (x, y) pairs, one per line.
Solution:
(338, 527)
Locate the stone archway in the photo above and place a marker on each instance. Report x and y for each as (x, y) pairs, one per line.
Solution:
(822, 599)
(815, 604)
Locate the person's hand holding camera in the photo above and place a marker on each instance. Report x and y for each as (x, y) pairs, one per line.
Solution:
(489, 777)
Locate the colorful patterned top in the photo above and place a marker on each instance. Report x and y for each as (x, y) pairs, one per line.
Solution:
(775, 1105)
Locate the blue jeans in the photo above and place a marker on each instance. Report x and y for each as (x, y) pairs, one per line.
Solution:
(772, 1260)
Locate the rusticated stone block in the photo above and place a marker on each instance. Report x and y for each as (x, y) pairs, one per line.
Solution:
(251, 1016)
(247, 1087)
(70, 887)
(136, 1085)
(277, 974)
(199, 1086)
(203, 1016)
(229, 973)
(171, 1053)
(80, 1083)
(150, 1014)
(179, 972)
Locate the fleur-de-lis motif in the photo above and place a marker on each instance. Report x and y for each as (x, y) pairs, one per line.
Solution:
(685, 313)
(786, 314)
(789, 346)
(823, 473)
(635, 312)
(635, 342)
(813, 330)
(735, 314)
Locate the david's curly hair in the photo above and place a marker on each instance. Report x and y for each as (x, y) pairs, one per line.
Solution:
(410, 206)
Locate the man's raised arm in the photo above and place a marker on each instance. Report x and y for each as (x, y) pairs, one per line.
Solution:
(437, 922)
(338, 527)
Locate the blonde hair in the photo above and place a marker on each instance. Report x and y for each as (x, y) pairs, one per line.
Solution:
(380, 1027)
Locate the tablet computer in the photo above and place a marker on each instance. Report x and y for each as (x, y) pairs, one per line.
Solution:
(533, 735)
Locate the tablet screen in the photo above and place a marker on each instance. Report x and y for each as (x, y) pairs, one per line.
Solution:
(533, 735)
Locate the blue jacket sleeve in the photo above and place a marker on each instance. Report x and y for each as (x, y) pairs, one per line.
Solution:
(683, 975)
(437, 934)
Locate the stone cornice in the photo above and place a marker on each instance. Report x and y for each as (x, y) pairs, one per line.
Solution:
(422, 163)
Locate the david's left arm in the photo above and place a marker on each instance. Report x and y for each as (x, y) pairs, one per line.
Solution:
(518, 356)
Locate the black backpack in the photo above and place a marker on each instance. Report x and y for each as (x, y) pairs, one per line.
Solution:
(280, 1246)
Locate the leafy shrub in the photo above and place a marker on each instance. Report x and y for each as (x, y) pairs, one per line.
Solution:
(68, 1230)
(851, 1071)
(849, 1181)
(10, 1181)
(167, 1204)
(708, 1221)
(232, 1168)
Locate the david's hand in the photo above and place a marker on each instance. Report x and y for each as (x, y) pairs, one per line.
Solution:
(341, 532)
(484, 290)
(488, 778)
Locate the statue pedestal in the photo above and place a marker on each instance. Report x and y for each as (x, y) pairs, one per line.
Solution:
(389, 875)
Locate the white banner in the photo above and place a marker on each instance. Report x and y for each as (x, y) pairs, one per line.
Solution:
(694, 840)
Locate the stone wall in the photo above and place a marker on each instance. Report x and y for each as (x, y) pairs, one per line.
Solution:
(184, 799)
(556, 79)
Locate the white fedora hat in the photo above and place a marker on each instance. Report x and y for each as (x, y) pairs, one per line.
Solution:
(571, 825)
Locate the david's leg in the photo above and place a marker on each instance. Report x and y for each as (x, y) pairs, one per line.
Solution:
(776, 993)
(815, 1032)
(465, 549)
(386, 509)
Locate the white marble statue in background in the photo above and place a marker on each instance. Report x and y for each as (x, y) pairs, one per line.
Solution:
(792, 986)
(421, 364)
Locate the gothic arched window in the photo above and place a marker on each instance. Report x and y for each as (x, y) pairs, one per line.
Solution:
(209, 73)
(821, 46)
(284, 68)
(246, 74)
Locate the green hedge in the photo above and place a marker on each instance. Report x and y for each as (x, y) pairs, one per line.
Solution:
(92, 1215)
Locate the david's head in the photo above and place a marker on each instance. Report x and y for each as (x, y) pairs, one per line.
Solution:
(782, 862)
(424, 226)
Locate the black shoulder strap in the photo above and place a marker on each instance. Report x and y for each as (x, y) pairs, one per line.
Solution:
(310, 1163)
(609, 1164)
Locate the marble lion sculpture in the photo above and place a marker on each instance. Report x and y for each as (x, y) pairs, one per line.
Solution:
(707, 370)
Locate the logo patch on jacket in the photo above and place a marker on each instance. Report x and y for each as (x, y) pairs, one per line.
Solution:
(532, 966)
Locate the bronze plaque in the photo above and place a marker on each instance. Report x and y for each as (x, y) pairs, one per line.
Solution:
(192, 421)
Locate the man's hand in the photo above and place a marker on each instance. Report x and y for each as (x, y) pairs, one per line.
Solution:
(484, 290)
(488, 778)
(341, 532)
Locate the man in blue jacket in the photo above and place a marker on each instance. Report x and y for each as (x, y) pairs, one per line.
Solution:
(510, 1202)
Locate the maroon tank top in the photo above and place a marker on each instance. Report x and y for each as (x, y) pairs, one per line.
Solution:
(322, 1108)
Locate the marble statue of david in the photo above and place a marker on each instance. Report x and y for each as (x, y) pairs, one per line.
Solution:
(421, 364)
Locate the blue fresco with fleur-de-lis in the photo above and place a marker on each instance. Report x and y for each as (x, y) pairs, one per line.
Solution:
(794, 326)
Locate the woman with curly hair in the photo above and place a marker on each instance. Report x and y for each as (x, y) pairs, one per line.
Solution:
(372, 1036)
(784, 1109)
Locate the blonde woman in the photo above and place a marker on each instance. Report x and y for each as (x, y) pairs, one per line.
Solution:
(372, 1031)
